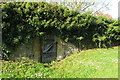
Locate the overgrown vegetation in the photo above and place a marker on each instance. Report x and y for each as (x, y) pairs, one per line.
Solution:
(22, 21)
(92, 63)
(23, 69)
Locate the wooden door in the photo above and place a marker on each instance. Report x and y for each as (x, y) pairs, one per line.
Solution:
(49, 49)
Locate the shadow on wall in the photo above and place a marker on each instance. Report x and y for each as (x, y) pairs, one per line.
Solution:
(49, 48)
(46, 49)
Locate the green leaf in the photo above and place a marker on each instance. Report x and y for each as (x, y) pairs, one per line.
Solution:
(66, 40)
(80, 38)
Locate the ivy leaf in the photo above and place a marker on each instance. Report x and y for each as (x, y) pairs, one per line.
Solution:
(66, 40)
(80, 38)
(41, 33)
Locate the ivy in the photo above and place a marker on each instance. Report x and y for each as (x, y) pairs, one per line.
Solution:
(23, 21)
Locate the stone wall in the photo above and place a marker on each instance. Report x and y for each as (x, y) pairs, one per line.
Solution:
(64, 49)
(33, 50)
(37, 49)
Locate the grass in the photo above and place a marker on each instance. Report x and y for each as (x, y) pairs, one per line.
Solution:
(93, 63)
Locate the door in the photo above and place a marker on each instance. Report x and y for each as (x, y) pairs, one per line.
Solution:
(49, 49)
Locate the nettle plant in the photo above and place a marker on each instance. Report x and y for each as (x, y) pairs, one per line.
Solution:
(22, 21)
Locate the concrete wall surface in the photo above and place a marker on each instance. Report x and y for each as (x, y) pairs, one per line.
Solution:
(33, 50)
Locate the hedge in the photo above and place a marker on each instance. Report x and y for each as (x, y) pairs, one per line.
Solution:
(22, 21)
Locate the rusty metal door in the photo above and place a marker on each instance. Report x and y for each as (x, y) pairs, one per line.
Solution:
(49, 49)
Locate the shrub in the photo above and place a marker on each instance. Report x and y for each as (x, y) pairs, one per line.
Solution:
(33, 19)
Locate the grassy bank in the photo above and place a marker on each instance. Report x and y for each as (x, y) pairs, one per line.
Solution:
(93, 63)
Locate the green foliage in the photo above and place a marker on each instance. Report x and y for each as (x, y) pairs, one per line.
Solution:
(22, 21)
(24, 68)
(93, 63)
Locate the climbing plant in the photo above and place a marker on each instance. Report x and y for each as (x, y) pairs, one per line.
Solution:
(22, 21)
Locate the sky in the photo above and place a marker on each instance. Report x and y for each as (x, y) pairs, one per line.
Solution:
(113, 9)
(113, 6)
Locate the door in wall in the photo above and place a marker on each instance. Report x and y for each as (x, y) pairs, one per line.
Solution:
(49, 49)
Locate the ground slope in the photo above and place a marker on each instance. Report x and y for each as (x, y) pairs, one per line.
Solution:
(92, 63)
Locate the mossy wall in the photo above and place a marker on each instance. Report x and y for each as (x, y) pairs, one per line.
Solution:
(64, 49)
(33, 50)
(37, 48)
